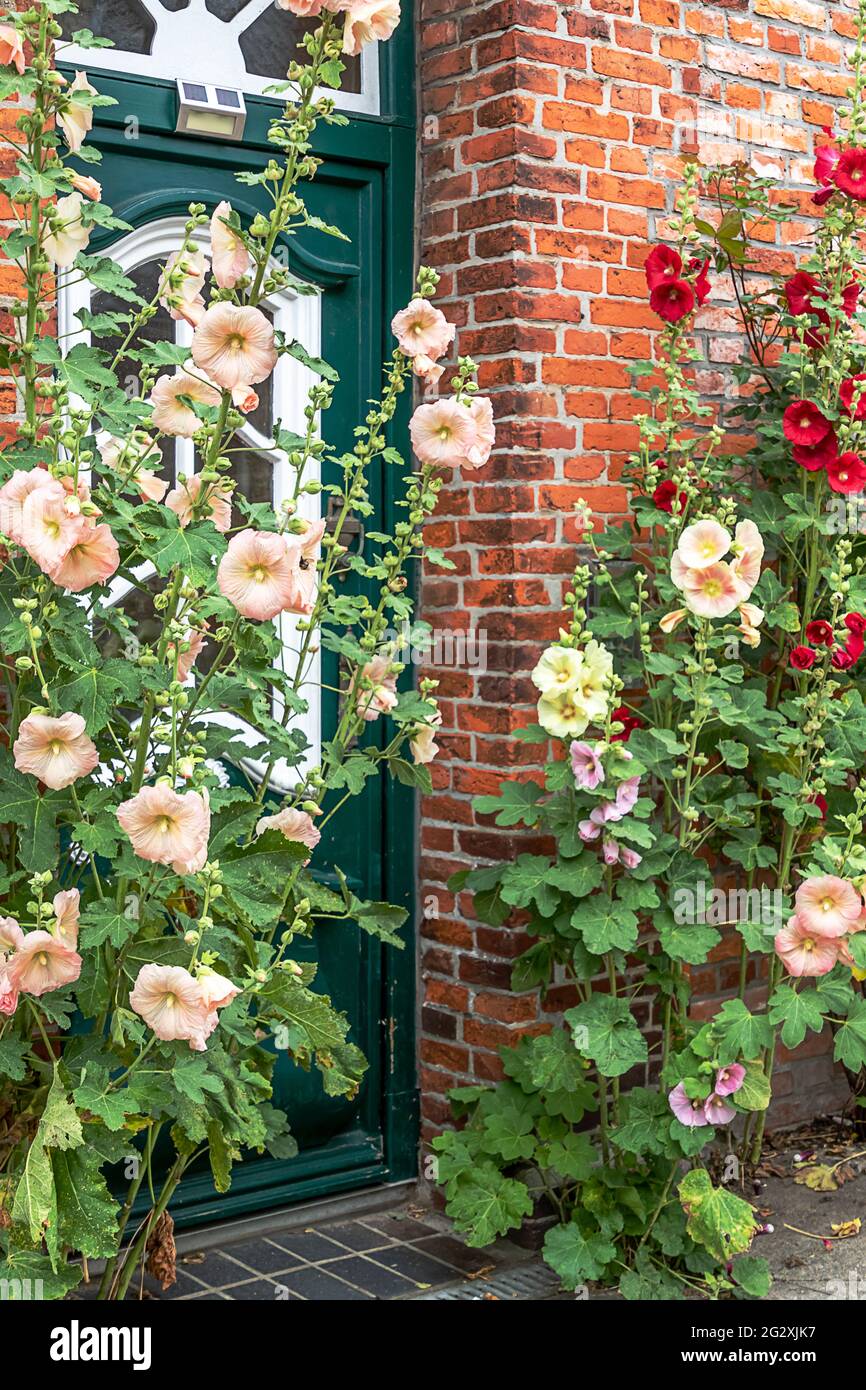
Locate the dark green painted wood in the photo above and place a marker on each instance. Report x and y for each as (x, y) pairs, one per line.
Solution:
(366, 187)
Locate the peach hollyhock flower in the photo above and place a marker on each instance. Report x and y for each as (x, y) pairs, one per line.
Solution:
(216, 990)
(828, 905)
(702, 544)
(8, 991)
(229, 256)
(68, 234)
(671, 621)
(443, 432)
(170, 412)
(803, 951)
(86, 186)
(748, 548)
(13, 495)
(423, 745)
(67, 911)
(303, 552)
(182, 499)
(234, 345)
(172, 1004)
(481, 412)
(57, 751)
(186, 659)
(91, 560)
(12, 49)
(11, 935)
(245, 399)
(42, 963)
(293, 825)
(367, 21)
(76, 117)
(751, 617)
(257, 574)
(168, 828)
(422, 330)
(713, 592)
(378, 688)
(303, 8)
(181, 284)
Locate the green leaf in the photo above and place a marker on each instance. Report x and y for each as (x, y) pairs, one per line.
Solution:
(87, 1212)
(26, 1275)
(798, 1011)
(850, 1048)
(102, 922)
(577, 876)
(734, 754)
(486, 1204)
(716, 1219)
(575, 1256)
(526, 881)
(751, 1273)
(687, 941)
(606, 1031)
(93, 1093)
(572, 1156)
(754, 1094)
(742, 1034)
(35, 1203)
(644, 1120)
(35, 811)
(605, 925)
(12, 1054)
(315, 364)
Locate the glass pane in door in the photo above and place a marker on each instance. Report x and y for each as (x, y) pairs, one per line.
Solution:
(126, 22)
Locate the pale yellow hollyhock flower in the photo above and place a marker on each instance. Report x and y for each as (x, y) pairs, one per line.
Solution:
(558, 670)
(69, 235)
(562, 715)
(593, 682)
(76, 118)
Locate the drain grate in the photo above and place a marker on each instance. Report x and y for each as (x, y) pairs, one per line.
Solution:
(525, 1281)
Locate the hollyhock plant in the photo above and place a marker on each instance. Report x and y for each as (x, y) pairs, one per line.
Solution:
(56, 751)
(729, 1079)
(257, 574)
(229, 255)
(234, 346)
(672, 300)
(42, 963)
(804, 952)
(167, 828)
(804, 424)
(689, 1111)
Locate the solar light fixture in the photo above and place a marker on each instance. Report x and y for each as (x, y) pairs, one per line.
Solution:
(216, 112)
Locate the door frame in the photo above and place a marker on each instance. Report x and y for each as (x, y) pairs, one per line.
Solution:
(385, 142)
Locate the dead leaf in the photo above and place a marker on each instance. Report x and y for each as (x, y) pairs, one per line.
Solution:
(161, 1252)
(843, 1229)
(821, 1178)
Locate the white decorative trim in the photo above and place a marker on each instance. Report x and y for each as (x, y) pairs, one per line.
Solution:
(298, 316)
(196, 46)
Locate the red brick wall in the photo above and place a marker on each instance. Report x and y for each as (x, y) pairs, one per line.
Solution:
(553, 135)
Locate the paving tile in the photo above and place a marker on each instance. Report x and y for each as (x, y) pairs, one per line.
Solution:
(186, 1286)
(400, 1227)
(309, 1246)
(216, 1269)
(463, 1259)
(415, 1265)
(381, 1283)
(262, 1256)
(317, 1284)
(259, 1291)
(356, 1236)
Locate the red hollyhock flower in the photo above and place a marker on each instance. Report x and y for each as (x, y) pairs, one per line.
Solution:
(820, 633)
(803, 423)
(701, 281)
(662, 263)
(847, 473)
(856, 623)
(802, 658)
(823, 196)
(850, 295)
(855, 385)
(623, 715)
(664, 496)
(820, 456)
(672, 300)
(826, 158)
(849, 173)
(821, 802)
(842, 660)
(800, 291)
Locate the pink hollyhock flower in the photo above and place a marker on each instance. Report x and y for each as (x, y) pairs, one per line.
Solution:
(802, 658)
(216, 990)
(48, 531)
(443, 432)
(169, 398)
(819, 456)
(56, 751)
(12, 49)
(67, 911)
(257, 574)
(423, 745)
(76, 117)
(245, 398)
(13, 495)
(293, 825)
(610, 851)
(368, 21)
(702, 544)
(234, 346)
(713, 592)
(588, 830)
(11, 935)
(481, 411)
(194, 644)
(11, 938)
(422, 330)
(41, 963)
(661, 265)
(229, 255)
(828, 904)
(748, 548)
(93, 558)
(303, 552)
(671, 621)
(183, 498)
(805, 952)
(167, 828)
(377, 688)
(717, 1111)
(688, 1112)
(181, 285)
(847, 473)
(303, 8)
(8, 992)
(849, 172)
(172, 1004)
(672, 300)
(729, 1079)
(586, 765)
(803, 423)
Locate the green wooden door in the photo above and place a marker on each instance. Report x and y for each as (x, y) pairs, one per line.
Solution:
(150, 174)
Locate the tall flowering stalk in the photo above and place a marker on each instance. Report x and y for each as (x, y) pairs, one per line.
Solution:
(141, 893)
(708, 732)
